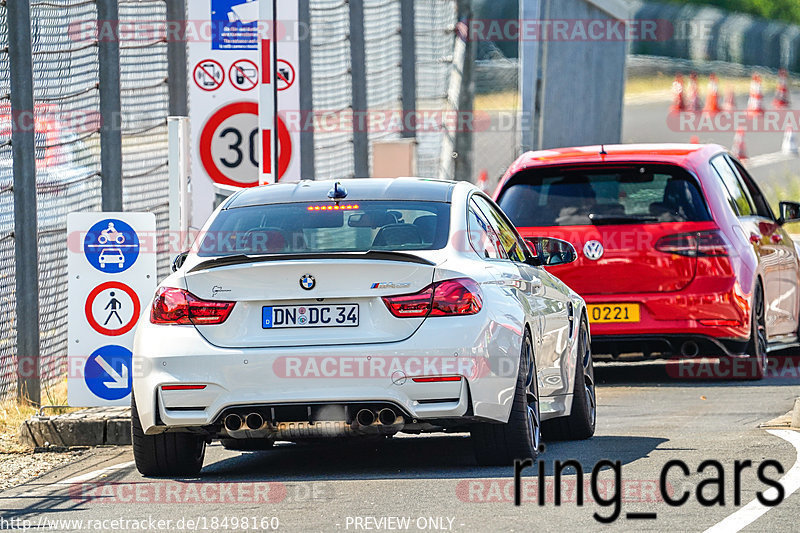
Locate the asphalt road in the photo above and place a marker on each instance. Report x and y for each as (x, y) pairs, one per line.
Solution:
(646, 418)
(649, 123)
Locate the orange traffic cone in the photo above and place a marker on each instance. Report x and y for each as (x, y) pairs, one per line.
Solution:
(712, 102)
(693, 103)
(677, 94)
(739, 151)
(781, 100)
(483, 181)
(755, 104)
(694, 140)
(730, 101)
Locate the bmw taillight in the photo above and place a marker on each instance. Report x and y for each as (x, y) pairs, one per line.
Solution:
(453, 297)
(178, 306)
(696, 244)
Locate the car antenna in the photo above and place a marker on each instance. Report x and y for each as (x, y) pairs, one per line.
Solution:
(338, 192)
(603, 149)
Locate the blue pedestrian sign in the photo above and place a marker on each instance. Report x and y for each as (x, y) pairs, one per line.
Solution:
(108, 372)
(111, 246)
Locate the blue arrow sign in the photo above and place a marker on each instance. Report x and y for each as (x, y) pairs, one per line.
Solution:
(108, 372)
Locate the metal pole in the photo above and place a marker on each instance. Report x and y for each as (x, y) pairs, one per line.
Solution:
(176, 58)
(462, 170)
(110, 110)
(409, 67)
(24, 169)
(306, 92)
(529, 76)
(358, 73)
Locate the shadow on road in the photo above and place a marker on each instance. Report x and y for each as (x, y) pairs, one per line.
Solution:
(440, 456)
(781, 371)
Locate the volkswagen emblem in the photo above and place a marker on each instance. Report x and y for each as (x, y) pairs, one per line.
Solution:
(593, 250)
(308, 282)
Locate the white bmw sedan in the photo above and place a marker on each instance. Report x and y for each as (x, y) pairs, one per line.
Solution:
(360, 309)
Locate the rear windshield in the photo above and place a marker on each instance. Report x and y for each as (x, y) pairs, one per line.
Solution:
(602, 195)
(327, 227)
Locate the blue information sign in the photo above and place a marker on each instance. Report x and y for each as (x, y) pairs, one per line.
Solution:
(111, 246)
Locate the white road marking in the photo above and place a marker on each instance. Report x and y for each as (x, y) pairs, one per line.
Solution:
(83, 478)
(754, 510)
(767, 159)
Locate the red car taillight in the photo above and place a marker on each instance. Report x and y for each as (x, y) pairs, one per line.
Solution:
(177, 306)
(453, 297)
(697, 244)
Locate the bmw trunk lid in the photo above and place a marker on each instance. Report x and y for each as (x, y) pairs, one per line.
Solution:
(295, 301)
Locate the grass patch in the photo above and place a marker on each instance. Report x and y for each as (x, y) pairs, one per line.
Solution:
(789, 191)
(13, 413)
(500, 101)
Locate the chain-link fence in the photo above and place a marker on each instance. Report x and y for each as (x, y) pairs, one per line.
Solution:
(435, 37)
(66, 107)
(434, 24)
(67, 123)
(145, 106)
(8, 331)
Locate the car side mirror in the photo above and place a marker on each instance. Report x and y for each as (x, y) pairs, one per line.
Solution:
(179, 260)
(790, 212)
(548, 251)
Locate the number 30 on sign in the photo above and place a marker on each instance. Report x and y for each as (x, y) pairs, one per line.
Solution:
(229, 145)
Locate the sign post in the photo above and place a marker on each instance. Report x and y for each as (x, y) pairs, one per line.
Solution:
(268, 92)
(111, 265)
(243, 80)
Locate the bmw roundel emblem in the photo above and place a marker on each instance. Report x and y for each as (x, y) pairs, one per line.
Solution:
(308, 282)
(593, 250)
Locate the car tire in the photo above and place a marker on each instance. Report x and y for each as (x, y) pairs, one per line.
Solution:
(247, 445)
(580, 424)
(497, 444)
(165, 454)
(757, 358)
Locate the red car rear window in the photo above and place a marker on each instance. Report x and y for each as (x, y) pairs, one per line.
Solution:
(601, 195)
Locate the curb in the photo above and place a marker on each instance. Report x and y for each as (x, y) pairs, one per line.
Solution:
(88, 427)
(796, 414)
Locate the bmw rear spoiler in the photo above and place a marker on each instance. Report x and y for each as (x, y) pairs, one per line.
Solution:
(372, 255)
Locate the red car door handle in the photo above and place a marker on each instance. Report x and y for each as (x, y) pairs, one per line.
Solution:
(755, 238)
(777, 239)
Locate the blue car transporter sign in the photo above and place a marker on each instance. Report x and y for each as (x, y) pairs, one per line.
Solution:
(111, 246)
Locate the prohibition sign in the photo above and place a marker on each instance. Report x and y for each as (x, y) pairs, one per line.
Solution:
(284, 82)
(206, 75)
(207, 137)
(243, 75)
(90, 301)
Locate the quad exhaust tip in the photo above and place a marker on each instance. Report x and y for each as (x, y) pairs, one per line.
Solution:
(233, 422)
(254, 421)
(387, 416)
(365, 417)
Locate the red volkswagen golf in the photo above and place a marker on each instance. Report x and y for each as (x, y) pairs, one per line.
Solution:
(679, 252)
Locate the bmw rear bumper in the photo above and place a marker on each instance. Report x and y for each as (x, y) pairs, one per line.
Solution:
(485, 356)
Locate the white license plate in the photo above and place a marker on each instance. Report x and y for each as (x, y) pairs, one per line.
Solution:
(309, 316)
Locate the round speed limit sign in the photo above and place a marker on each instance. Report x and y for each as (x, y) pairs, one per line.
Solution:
(229, 145)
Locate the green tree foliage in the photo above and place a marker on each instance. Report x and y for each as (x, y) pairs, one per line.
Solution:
(782, 10)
